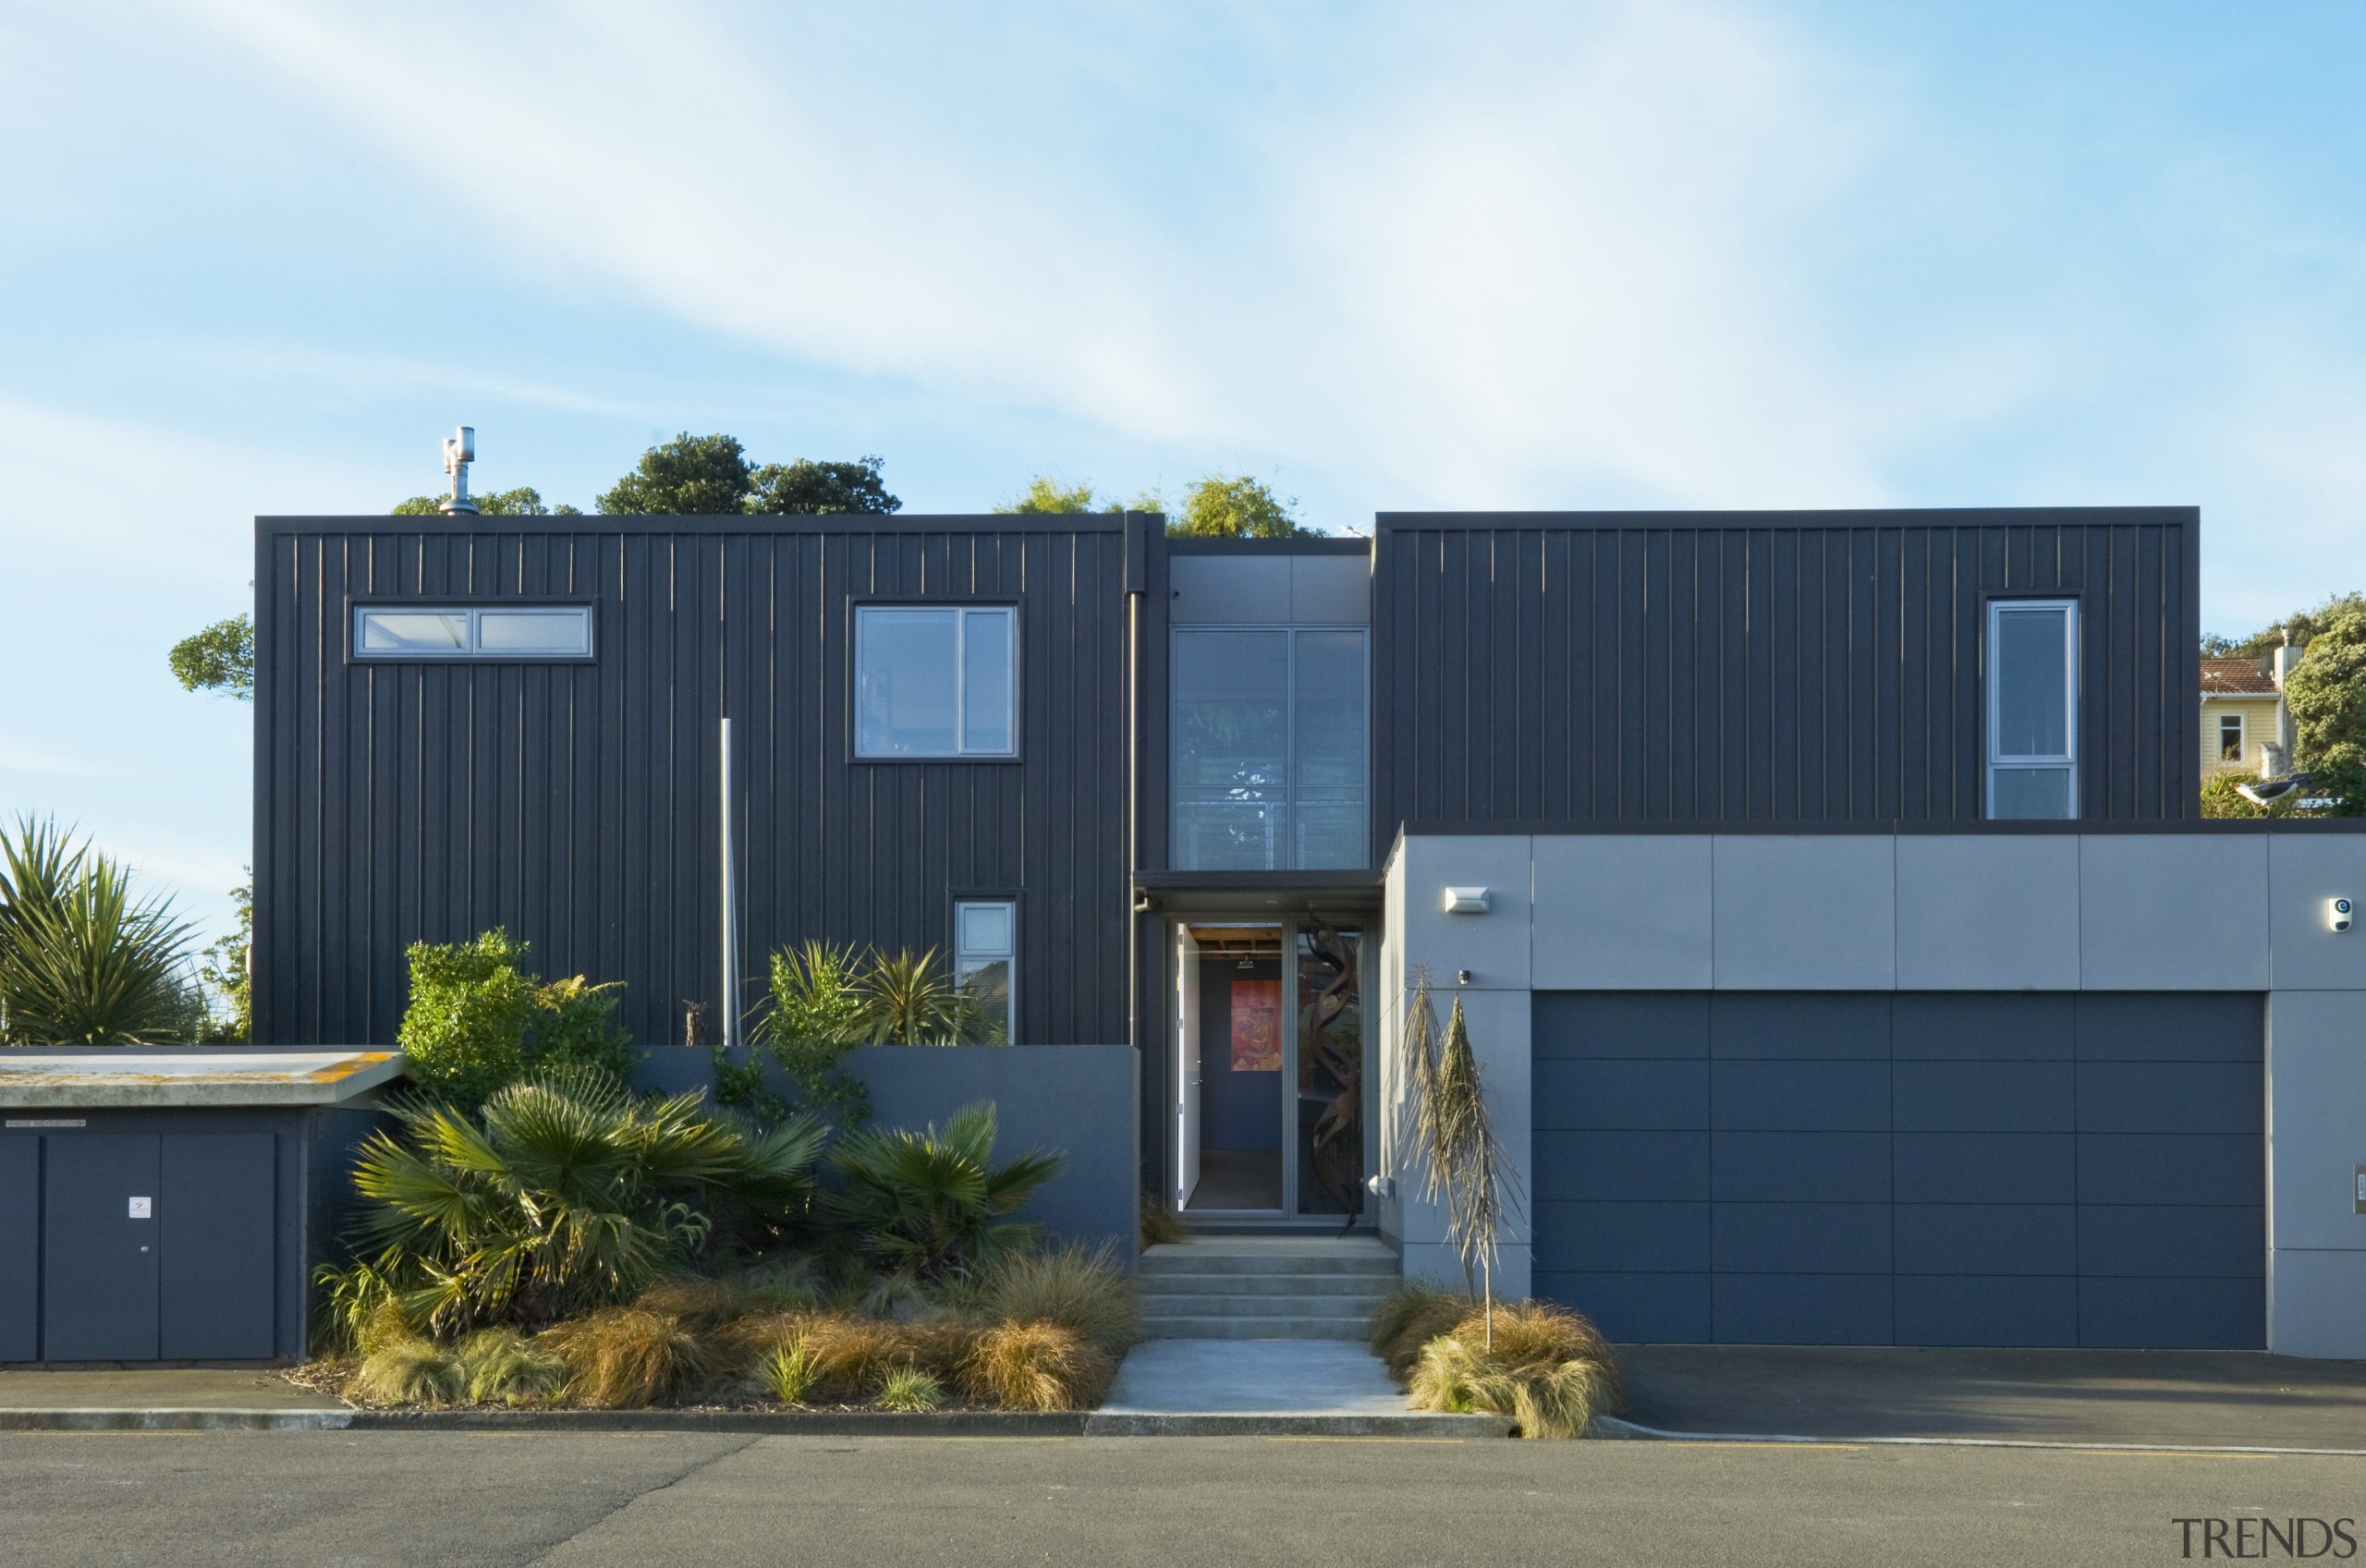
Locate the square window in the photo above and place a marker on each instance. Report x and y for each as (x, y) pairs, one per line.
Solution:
(934, 682)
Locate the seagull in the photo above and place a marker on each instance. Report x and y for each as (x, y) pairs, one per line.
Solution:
(2268, 790)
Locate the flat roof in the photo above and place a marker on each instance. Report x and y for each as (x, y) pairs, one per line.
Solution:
(131, 1077)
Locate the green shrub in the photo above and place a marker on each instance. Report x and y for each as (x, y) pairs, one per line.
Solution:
(827, 999)
(788, 1374)
(565, 1194)
(1547, 1368)
(908, 1388)
(932, 1202)
(1074, 1286)
(83, 961)
(476, 1022)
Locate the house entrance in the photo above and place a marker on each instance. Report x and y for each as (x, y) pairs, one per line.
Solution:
(1270, 1119)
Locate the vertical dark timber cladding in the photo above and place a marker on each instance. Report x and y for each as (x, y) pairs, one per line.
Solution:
(1792, 666)
(576, 804)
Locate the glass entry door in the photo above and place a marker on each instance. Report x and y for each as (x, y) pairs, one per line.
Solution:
(1268, 1069)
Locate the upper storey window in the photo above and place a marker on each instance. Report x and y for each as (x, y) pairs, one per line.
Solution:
(1269, 770)
(505, 631)
(2034, 708)
(932, 682)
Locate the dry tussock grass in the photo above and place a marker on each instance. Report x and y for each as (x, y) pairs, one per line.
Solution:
(1037, 1367)
(623, 1356)
(1548, 1370)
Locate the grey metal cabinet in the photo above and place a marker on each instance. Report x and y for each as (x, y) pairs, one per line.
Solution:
(99, 1250)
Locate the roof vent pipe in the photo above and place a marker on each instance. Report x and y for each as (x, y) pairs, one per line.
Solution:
(459, 450)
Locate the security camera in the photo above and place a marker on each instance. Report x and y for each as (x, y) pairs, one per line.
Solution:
(2337, 914)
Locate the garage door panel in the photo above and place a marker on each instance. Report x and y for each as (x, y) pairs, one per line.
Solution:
(2171, 1168)
(1984, 1097)
(2173, 1314)
(1621, 1024)
(2215, 1241)
(1625, 1238)
(1635, 1308)
(1799, 1026)
(2196, 1027)
(1987, 1238)
(1946, 1026)
(1803, 1309)
(1622, 1095)
(1987, 1310)
(1661, 1165)
(1987, 1167)
(1804, 1238)
(2163, 1097)
(1800, 1097)
(1800, 1167)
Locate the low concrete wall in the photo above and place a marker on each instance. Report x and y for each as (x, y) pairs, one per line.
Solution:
(1079, 1099)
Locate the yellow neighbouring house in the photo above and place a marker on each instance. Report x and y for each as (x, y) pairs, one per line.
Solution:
(2245, 726)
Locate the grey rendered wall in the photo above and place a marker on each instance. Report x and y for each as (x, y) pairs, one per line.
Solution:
(1550, 668)
(1079, 1099)
(576, 804)
(2205, 908)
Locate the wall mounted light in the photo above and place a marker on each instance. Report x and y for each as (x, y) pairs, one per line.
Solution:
(1466, 901)
(2337, 914)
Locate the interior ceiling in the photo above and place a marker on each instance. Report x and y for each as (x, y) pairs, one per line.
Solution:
(1238, 941)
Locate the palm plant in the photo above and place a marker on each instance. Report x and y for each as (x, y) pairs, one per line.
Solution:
(1464, 1162)
(564, 1192)
(83, 960)
(935, 1202)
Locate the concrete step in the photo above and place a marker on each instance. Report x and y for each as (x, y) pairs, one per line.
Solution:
(1325, 1328)
(1167, 1283)
(1357, 1307)
(1197, 1258)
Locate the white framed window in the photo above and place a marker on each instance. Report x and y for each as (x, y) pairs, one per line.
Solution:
(986, 953)
(2230, 737)
(472, 631)
(932, 682)
(2032, 666)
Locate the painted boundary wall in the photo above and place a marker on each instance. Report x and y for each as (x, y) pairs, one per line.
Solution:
(1887, 910)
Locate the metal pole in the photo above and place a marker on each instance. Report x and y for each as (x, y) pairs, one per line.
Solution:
(730, 1026)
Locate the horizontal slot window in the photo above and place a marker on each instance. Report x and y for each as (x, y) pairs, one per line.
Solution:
(536, 631)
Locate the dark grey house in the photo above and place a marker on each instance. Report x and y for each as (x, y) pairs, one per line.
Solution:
(1731, 830)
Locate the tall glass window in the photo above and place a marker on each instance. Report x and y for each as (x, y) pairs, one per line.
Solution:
(1270, 769)
(934, 683)
(985, 944)
(2034, 708)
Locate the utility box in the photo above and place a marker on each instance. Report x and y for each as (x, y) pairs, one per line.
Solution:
(168, 1205)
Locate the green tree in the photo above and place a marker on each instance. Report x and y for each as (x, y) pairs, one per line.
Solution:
(1047, 496)
(2302, 625)
(221, 658)
(689, 476)
(223, 966)
(523, 502)
(1222, 505)
(2326, 692)
(808, 486)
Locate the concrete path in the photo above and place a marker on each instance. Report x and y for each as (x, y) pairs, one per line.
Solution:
(1254, 1378)
(157, 1388)
(2230, 1399)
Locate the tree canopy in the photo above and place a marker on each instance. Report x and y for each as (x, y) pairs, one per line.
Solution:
(221, 658)
(1218, 506)
(2326, 692)
(523, 502)
(704, 475)
(2301, 624)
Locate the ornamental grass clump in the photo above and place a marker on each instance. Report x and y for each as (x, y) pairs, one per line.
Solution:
(402, 1369)
(1074, 1286)
(504, 1367)
(1037, 1367)
(910, 1389)
(628, 1356)
(789, 1373)
(1545, 1368)
(1410, 1317)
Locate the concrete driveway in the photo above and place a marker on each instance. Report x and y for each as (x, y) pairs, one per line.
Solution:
(2216, 1399)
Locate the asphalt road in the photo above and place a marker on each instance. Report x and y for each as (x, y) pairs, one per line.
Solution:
(258, 1499)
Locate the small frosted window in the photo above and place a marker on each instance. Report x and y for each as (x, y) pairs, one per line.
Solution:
(541, 631)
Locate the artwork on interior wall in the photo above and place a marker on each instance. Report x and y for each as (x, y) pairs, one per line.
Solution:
(1256, 1025)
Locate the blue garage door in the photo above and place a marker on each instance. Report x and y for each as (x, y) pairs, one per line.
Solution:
(1909, 1168)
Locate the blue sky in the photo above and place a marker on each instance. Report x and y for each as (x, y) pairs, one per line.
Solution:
(259, 257)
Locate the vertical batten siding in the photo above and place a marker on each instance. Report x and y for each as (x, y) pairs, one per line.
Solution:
(1546, 668)
(577, 803)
